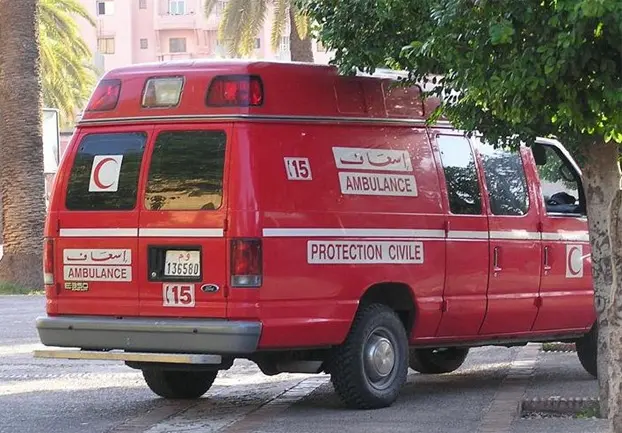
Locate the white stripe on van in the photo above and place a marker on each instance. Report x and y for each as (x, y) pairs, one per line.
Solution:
(98, 232)
(515, 235)
(577, 236)
(181, 233)
(568, 236)
(353, 233)
(147, 233)
(465, 234)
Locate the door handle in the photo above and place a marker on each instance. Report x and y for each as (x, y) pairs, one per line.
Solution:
(547, 265)
(495, 260)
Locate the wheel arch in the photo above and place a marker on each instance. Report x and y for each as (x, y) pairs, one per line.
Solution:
(396, 295)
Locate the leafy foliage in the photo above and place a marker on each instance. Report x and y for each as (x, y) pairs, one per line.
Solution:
(67, 76)
(243, 20)
(533, 67)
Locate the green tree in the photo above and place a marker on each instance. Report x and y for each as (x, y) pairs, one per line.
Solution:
(21, 177)
(243, 19)
(68, 78)
(514, 70)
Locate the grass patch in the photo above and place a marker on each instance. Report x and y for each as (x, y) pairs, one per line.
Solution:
(14, 289)
(591, 411)
(558, 347)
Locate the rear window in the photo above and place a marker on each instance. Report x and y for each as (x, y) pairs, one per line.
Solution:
(105, 172)
(187, 171)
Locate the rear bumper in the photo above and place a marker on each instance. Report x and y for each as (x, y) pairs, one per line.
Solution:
(150, 334)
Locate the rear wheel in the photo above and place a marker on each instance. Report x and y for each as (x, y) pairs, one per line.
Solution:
(175, 384)
(369, 369)
(437, 361)
(587, 351)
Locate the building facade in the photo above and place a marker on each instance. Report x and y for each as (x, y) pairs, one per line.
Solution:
(138, 31)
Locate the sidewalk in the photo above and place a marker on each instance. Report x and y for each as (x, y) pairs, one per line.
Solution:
(559, 374)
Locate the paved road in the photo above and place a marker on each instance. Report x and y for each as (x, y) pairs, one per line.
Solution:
(77, 396)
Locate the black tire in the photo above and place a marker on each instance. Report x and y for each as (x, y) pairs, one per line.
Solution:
(587, 351)
(437, 361)
(369, 369)
(175, 384)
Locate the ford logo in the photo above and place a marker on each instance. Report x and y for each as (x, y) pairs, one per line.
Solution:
(210, 288)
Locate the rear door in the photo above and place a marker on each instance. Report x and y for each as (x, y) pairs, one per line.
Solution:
(466, 266)
(98, 237)
(182, 246)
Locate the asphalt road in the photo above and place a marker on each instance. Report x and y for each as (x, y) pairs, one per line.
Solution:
(57, 396)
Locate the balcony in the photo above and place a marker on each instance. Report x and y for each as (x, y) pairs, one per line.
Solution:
(175, 22)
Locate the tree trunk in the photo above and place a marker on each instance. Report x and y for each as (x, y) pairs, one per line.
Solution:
(601, 176)
(615, 317)
(21, 174)
(300, 49)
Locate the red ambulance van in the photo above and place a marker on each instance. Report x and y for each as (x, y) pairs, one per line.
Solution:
(310, 222)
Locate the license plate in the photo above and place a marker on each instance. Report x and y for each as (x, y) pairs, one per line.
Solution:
(182, 263)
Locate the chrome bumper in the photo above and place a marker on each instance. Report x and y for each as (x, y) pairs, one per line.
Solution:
(195, 336)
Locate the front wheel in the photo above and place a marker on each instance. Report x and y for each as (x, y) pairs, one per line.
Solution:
(369, 369)
(178, 384)
(437, 361)
(587, 351)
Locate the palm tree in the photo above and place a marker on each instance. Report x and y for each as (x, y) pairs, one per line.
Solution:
(68, 79)
(21, 174)
(243, 19)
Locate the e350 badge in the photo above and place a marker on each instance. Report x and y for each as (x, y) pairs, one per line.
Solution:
(75, 286)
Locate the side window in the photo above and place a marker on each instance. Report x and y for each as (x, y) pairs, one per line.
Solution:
(559, 181)
(186, 171)
(105, 172)
(505, 180)
(460, 175)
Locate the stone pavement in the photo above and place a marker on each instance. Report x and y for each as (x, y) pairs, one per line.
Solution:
(482, 397)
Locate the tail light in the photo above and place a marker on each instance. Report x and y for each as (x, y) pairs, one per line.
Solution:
(235, 91)
(246, 263)
(48, 261)
(106, 96)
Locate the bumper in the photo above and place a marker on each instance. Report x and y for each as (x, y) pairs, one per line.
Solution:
(150, 335)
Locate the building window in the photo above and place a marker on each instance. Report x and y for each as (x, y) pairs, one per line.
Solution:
(177, 7)
(144, 44)
(177, 45)
(221, 6)
(105, 45)
(257, 43)
(142, 4)
(284, 44)
(105, 7)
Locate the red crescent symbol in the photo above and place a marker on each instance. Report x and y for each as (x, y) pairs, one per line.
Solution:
(98, 168)
(570, 255)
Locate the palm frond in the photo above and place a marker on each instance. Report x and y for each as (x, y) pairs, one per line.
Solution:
(208, 7)
(67, 74)
(302, 24)
(279, 23)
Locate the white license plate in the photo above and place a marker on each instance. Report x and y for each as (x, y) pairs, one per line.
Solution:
(182, 263)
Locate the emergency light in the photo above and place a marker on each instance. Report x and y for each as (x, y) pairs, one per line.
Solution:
(106, 96)
(162, 92)
(235, 91)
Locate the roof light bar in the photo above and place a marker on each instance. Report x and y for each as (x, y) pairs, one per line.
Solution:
(235, 91)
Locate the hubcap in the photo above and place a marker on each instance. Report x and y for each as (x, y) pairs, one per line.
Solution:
(379, 358)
